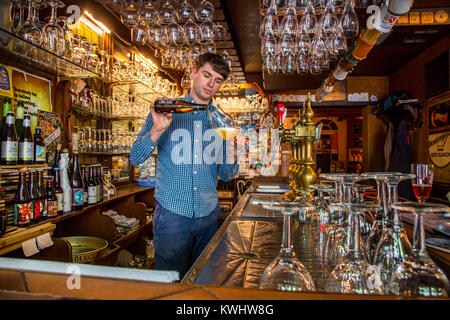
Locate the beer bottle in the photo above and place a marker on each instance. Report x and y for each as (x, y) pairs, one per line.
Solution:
(77, 184)
(85, 184)
(57, 155)
(9, 141)
(6, 109)
(59, 193)
(100, 177)
(97, 182)
(22, 203)
(52, 202)
(19, 118)
(92, 187)
(34, 196)
(177, 106)
(42, 195)
(39, 147)
(26, 145)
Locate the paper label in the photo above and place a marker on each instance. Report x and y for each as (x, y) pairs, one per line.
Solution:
(22, 213)
(29, 247)
(26, 151)
(44, 241)
(40, 153)
(9, 150)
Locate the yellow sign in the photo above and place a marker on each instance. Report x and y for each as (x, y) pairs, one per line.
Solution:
(35, 92)
(427, 17)
(6, 81)
(439, 150)
(441, 16)
(414, 17)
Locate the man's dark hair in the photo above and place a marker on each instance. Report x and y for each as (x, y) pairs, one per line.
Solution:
(219, 64)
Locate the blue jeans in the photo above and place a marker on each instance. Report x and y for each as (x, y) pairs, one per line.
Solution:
(178, 240)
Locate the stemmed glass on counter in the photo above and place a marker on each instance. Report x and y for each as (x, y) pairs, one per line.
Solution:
(286, 272)
(418, 275)
(423, 182)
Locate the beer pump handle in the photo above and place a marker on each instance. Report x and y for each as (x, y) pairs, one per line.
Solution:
(281, 113)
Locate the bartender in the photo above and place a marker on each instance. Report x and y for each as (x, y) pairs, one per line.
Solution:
(186, 214)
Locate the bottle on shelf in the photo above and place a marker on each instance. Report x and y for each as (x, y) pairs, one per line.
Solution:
(26, 144)
(22, 202)
(57, 156)
(92, 187)
(34, 195)
(84, 174)
(6, 109)
(65, 181)
(77, 184)
(52, 201)
(100, 176)
(19, 118)
(42, 194)
(97, 182)
(9, 141)
(59, 193)
(39, 147)
(177, 106)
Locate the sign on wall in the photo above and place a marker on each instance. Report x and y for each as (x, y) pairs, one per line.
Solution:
(439, 133)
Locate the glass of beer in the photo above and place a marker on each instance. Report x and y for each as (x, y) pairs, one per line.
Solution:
(423, 182)
(222, 123)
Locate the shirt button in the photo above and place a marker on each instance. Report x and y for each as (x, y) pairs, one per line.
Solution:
(195, 188)
(195, 172)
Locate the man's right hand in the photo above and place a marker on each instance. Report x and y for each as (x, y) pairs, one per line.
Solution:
(161, 121)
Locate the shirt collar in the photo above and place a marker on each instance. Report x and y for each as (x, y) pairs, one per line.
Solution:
(188, 97)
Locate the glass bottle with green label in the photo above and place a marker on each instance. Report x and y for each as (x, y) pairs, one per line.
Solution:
(9, 141)
(26, 144)
(19, 118)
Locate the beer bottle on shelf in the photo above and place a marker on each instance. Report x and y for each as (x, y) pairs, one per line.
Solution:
(97, 177)
(92, 187)
(42, 195)
(19, 118)
(39, 147)
(84, 174)
(35, 201)
(101, 181)
(177, 106)
(9, 141)
(57, 156)
(52, 202)
(59, 193)
(22, 202)
(6, 109)
(26, 145)
(77, 183)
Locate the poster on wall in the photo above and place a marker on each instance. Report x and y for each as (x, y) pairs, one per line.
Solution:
(439, 133)
(6, 81)
(34, 91)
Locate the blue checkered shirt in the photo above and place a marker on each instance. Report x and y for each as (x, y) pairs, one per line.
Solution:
(186, 186)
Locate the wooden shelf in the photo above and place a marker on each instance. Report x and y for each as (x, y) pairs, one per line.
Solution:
(13, 240)
(122, 192)
(20, 166)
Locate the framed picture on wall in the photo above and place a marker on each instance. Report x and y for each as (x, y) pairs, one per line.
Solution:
(439, 130)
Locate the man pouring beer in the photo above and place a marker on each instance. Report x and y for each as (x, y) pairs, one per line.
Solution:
(185, 217)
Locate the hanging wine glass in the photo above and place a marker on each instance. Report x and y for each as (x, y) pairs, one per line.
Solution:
(286, 272)
(355, 274)
(328, 22)
(205, 11)
(419, 275)
(52, 33)
(21, 5)
(139, 32)
(175, 33)
(349, 20)
(289, 23)
(167, 13)
(192, 31)
(148, 13)
(308, 20)
(208, 30)
(29, 30)
(270, 24)
(129, 14)
(185, 12)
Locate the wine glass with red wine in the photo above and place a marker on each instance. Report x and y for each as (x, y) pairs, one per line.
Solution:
(423, 181)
